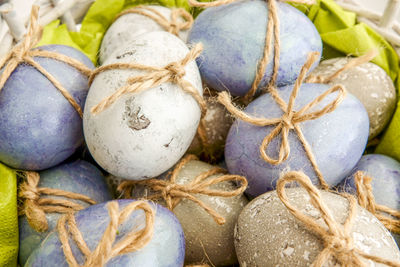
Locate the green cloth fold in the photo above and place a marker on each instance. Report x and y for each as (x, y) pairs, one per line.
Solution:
(8, 217)
(339, 30)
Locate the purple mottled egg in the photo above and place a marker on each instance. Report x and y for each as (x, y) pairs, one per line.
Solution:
(337, 140)
(233, 37)
(78, 177)
(385, 173)
(166, 248)
(39, 128)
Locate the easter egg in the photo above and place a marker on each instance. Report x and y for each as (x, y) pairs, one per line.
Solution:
(143, 134)
(206, 240)
(76, 177)
(127, 27)
(267, 234)
(166, 248)
(385, 174)
(233, 36)
(217, 122)
(370, 84)
(39, 128)
(337, 140)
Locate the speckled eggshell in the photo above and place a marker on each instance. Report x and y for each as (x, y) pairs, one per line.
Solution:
(385, 173)
(144, 134)
(127, 27)
(202, 233)
(78, 177)
(217, 122)
(233, 36)
(166, 248)
(370, 84)
(39, 128)
(267, 234)
(337, 140)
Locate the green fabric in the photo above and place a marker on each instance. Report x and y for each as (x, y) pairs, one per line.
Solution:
(8, 217)
(95, 24)
(342, 35)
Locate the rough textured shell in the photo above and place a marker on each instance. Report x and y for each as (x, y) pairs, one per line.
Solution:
(142, 135)
(127, 27)
(267, 234)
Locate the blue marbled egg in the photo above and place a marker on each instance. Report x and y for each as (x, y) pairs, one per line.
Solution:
(233, 36)
(166, 248)
(77, 177)
(38, 127)
(385, 173)
(337, 140)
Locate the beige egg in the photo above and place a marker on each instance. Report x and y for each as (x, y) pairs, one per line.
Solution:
(370, 84)
(217, 122)
(206, 241)
(267, 234)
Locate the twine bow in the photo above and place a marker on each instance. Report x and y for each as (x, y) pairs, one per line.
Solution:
(337, 238)
(290, 119)
(272, 35)
(174, 193)
(366, 200)
(173, 72)
(22, 53)
(107, 248)
(35, 207)
(180, 18)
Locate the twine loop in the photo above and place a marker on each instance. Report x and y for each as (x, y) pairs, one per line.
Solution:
(35, 207)
(107, 248)
(389, 217)
(337, 238)
(174, 193)
(180, 19)
(23, 53)
(290, 120)
(172, 72)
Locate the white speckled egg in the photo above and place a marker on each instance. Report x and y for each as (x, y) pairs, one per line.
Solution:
(127, 27)
(267, 234)
(370, 84)
(142, 135)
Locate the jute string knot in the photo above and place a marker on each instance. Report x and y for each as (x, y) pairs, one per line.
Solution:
(23, 53)
(388, 216)
(35, 207)
(172, 72)
(180, 19)
(290, 119)
(176, 70)
(107, 248)
(336, 237)
(174, 193)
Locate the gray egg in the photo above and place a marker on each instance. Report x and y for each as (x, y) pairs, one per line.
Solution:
(370, 84)
(267, 234)
(206, 241)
